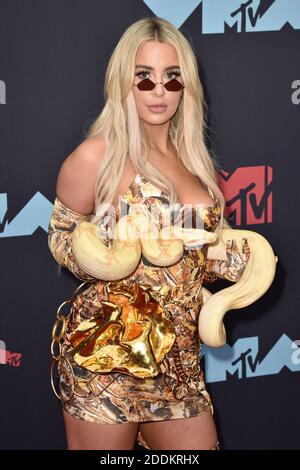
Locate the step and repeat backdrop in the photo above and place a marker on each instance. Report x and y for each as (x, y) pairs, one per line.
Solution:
(53, 56)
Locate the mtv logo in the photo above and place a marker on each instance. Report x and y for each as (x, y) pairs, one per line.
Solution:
(36, 213)
(249, 15)
(242, 360)
(248, 195)
(240, 16)
(174, 11)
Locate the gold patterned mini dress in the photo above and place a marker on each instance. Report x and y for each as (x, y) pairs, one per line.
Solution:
(178, 390)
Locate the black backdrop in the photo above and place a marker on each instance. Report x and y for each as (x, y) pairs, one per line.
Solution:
(53, 56)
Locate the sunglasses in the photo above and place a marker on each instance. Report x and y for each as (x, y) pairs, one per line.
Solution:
(147, 85)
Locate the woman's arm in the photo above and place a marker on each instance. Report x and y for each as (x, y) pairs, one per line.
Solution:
(74, 203)
(63, 222)
(230, 269)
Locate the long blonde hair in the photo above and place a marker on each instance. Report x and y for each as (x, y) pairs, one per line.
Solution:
(118, 123)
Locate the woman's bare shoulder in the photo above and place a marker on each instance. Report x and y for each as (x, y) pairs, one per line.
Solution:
(77, 174)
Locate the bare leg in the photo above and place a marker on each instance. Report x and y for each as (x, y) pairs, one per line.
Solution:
(83, 435)
(198, 433)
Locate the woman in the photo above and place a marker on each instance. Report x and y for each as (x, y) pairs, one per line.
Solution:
(146, 146)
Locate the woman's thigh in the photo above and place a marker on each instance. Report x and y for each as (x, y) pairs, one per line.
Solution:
(198, 433)
(83, 435)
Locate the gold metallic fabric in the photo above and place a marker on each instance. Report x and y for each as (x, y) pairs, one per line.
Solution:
(130, 333)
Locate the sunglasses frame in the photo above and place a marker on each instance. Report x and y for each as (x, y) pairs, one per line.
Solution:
(146, 80)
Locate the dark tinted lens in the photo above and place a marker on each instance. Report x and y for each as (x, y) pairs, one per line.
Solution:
(146, 84)
(173, 85)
